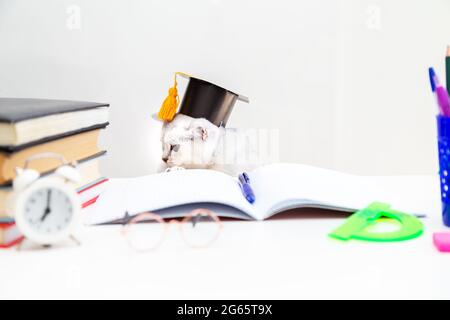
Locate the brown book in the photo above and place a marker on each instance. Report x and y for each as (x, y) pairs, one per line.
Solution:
(74, 148)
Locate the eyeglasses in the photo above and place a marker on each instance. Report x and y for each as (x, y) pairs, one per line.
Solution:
(145, 232)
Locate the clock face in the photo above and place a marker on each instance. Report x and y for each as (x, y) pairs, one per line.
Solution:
(48, 211)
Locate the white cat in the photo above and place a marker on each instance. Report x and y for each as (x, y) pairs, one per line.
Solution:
(197, 143)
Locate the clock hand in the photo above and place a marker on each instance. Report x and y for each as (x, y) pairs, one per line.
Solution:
(46, 213)
(49, 197)
(47, 210)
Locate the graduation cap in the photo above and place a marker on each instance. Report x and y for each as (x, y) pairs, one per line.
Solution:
(202, 99)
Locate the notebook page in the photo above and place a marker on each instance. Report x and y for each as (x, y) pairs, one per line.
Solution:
(286, 186)
(279, 184)
(165, 190)
(222, 210)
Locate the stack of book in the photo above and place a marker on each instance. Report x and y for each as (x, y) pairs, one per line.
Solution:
(69, 128)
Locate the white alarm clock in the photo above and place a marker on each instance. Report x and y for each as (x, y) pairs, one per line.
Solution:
(46, 208)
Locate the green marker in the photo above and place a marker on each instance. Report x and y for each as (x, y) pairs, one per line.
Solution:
(356, 226)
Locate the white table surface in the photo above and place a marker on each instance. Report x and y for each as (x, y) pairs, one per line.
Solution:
(251, 260)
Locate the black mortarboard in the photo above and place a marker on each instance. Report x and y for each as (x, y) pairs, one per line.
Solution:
(202, 99)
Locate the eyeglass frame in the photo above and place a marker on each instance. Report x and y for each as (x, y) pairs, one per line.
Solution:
(166, 225)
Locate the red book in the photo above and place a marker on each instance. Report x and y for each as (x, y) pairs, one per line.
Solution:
(90, 193)
(9, 235)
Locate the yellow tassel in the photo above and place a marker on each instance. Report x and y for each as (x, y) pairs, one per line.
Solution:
(170, 105)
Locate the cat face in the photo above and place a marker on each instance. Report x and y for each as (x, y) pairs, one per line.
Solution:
(189, 142)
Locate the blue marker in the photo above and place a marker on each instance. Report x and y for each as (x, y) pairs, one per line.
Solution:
(246, 188)
(432, 75)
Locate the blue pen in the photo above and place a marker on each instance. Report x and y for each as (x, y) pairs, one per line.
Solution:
(246, 188)
(432, 75)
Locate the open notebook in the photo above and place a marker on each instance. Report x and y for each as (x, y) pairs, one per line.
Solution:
(277, 187)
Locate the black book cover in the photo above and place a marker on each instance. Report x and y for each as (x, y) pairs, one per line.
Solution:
(14, 110)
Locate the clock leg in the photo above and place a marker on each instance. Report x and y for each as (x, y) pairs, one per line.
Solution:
(19, 245)
(78, 243)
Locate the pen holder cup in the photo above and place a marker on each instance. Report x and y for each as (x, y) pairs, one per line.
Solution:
(443, 125)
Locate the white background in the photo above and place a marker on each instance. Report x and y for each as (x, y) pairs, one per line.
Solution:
(345, 82)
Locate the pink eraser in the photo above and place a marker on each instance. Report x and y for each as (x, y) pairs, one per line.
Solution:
(442, 241)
